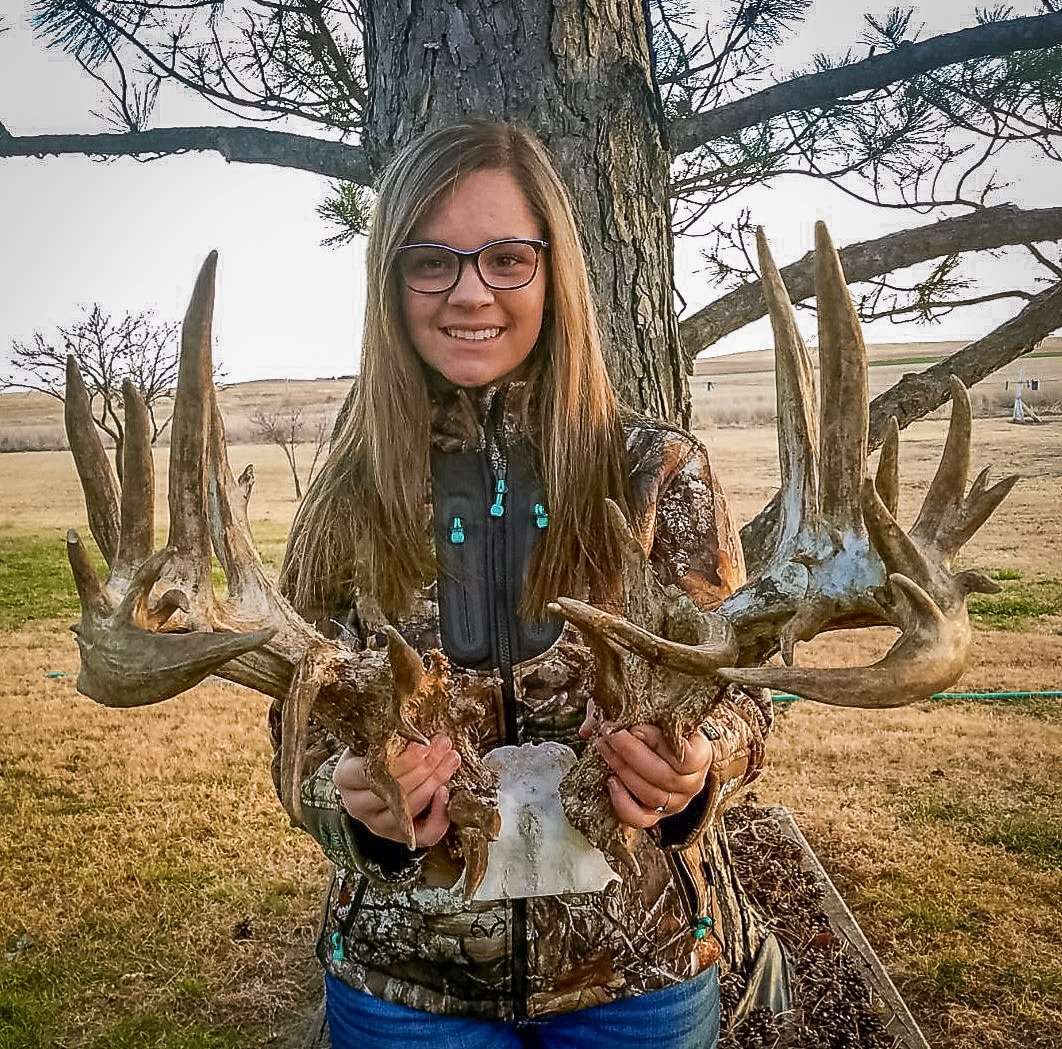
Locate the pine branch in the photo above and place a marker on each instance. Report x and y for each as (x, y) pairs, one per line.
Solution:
(984, 230)
(238, 144)
(825, 88)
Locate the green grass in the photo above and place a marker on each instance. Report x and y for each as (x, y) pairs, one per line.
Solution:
(36, 583)
(35, 579)
(948, 976)
(1006, 574)
(1017, 605)
(32, 990)
(163, 1031)
(930, 916)
(1022, 830)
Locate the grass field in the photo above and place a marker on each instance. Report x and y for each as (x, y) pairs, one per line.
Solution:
(152, 895)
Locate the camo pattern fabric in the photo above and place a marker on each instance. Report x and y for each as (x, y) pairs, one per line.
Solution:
(393, 928)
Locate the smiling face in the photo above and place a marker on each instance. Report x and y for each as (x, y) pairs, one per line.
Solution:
(499, 327)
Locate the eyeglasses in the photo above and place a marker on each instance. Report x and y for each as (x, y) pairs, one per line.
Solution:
(502, 265)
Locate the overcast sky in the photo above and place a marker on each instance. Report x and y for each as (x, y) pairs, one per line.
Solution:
(131, 235)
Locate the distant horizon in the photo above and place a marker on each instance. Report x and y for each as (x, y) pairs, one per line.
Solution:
(706, 356)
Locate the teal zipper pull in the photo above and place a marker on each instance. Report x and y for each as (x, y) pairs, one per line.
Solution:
(457, 532)
(702, 925)
(496, 508)
(541, 517)
(337, 947)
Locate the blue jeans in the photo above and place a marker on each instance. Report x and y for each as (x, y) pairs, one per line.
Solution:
(685, 1016)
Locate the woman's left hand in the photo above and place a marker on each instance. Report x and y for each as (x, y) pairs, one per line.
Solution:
(651, 782)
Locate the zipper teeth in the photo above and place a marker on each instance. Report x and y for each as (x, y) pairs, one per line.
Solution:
(498, 461)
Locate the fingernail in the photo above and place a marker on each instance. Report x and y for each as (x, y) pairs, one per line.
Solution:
(641, 734)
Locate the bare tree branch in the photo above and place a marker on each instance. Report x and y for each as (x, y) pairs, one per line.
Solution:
(827, 87)
(240, 144)
(979, 231)
(917, 394)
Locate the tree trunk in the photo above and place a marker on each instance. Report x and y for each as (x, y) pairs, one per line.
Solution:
(579, 75)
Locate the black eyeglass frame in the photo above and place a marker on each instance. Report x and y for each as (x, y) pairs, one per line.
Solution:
(474, 255)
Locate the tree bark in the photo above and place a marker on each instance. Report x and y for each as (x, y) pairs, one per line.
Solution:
(580, 76)
(824, 89)
(982, 230)
(916, 395)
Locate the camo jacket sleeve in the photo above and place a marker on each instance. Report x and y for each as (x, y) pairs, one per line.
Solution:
(348, 843)
(696, 546)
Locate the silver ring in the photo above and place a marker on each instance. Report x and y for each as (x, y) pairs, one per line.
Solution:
(663, 808)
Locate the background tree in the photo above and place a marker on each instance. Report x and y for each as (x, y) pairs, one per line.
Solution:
(287, 429)
(108, 350)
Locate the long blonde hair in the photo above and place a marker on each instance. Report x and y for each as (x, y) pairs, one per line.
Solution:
(364, 521)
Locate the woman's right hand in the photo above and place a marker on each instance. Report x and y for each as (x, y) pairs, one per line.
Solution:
(422, 773)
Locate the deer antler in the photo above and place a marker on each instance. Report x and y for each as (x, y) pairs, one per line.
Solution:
(139, 648)
(874, 571)
(651, 662)
(840, 560)
(840, 557)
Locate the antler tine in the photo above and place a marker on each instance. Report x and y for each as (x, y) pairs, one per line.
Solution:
(843, 380)
(137, 536)
(313, 672)
(89, 588)
(946, 491)
(230, 533)
(929, 656)
(408, 670)
(698, 660)
(189, 434)
(980, 482)
(798, 435)
(893, 544)
(887, 479)
(980, 504)
(93, 467)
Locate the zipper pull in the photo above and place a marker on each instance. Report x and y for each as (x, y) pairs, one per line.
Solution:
(541, 517)
(701, 925)
(337, 948)
(457, 532)
(496, 508)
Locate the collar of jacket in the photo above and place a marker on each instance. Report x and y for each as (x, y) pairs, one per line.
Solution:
(457, 413)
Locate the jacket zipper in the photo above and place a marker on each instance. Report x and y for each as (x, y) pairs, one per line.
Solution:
(700, 925)
(496, 468)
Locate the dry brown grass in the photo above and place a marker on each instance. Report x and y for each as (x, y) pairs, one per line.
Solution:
(147, 876)
(136, 845)
(34, 421)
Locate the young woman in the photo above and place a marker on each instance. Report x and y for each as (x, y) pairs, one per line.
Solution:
(465, 490)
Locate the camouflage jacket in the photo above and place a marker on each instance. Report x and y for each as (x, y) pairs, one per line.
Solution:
(391, 926)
